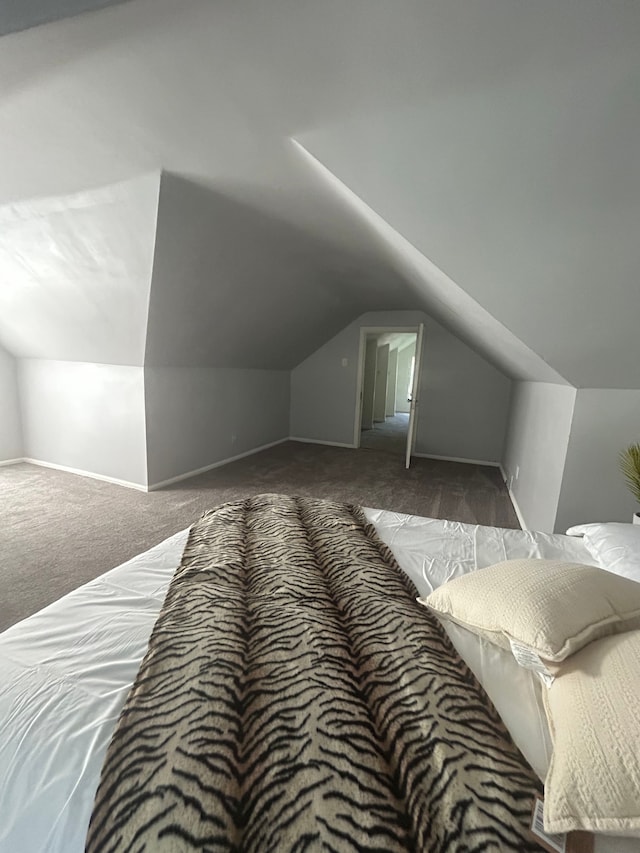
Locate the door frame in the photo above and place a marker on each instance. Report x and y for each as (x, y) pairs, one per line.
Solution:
(415, 389)
(373, 330)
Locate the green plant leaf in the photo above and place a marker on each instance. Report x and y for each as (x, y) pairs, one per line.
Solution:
(630, 467)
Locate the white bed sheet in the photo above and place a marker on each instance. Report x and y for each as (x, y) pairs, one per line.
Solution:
(432, 552)
(65, 672)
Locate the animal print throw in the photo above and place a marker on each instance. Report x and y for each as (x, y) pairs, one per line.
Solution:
(295, 697)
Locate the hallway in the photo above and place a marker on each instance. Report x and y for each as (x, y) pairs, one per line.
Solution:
(389, 436)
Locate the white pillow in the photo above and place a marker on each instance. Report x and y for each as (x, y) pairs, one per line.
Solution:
(516, 693)
(592, 708)
(615, 546)
(543, 610)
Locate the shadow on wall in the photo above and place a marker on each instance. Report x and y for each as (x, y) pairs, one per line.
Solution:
(235, 286)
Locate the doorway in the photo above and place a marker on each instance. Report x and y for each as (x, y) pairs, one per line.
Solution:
(387, 390)
(390, 435)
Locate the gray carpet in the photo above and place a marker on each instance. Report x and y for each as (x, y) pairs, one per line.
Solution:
(60, 530)
(389, 435)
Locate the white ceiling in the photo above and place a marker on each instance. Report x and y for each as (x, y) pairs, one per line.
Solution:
(498, 138)
(16, 15)
(237, 285)
(75, 274)
(396, 340)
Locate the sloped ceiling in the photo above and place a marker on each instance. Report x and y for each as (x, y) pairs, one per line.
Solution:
(497, 138)
(75, 274)
(237, 285)
(16, 15)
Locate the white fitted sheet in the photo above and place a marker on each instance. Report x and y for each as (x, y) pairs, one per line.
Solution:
(65, 672)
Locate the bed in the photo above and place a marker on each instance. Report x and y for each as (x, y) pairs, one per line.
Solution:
(66, 672)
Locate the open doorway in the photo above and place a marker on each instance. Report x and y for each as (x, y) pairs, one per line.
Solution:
(388, 387)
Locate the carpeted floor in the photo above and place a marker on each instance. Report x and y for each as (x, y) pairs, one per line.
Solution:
(58, 530)
(389, 435)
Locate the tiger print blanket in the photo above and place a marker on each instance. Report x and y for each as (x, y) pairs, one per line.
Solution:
(295, 697)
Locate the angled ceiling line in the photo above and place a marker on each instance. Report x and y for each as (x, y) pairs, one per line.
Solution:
(26, 14)
(440, 295)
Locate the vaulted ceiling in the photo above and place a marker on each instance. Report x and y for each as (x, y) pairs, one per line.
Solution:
(475, 159)
(16, 15)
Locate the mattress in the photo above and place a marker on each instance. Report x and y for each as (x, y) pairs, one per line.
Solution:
(65, 672)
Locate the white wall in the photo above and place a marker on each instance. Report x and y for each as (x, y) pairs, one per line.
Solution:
(193, 415)
(76, 274)
(404, 371)
(369, 383)
(392, 382)
(235, 285)
(593, 489)
(10, 426)
(89, 417)
(463, 401)
(554, 125)
(382, 378)
(536, 449)
(323, 390)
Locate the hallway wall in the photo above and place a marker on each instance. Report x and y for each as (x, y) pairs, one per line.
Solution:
(404, 374)
(464, 400)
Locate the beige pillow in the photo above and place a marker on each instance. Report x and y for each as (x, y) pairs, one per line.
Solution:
(593, 708)
(548, 608)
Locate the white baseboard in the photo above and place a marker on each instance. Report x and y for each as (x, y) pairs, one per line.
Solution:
(457, 459)
(203, 470)
(113, 480)
(11, 461)
(519, 515)
(140, 488)
(319, 441)
(523, 523)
